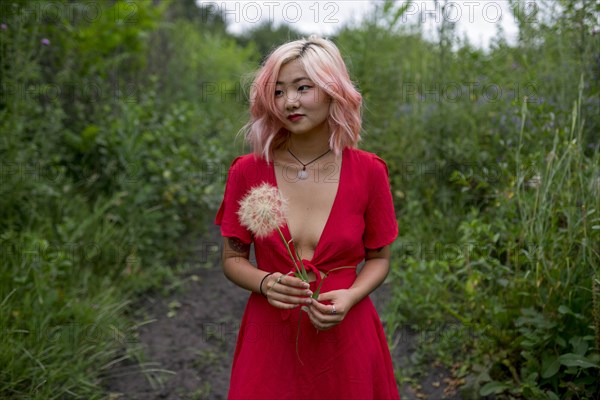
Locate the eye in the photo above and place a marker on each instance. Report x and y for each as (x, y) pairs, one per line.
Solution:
(303, 88)
(278, 93)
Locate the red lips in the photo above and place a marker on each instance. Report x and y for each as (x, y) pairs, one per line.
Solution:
(294, 117)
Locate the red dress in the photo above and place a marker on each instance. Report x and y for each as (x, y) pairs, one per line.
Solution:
(349, 361)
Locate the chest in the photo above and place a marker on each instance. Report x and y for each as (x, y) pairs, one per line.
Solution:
(310, 202)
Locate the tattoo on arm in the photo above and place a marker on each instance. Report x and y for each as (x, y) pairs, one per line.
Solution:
(237, 245)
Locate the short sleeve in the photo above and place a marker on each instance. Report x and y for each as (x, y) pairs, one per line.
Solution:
(227, 217)
(381, 226)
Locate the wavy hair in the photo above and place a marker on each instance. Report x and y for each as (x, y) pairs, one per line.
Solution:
(324, 65)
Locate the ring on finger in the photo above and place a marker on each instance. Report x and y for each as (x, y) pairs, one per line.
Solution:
(333, 312)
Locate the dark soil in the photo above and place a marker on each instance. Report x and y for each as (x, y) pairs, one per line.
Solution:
(185, 342)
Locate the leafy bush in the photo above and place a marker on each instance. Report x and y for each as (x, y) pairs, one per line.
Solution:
(102, 174)
(496, 198)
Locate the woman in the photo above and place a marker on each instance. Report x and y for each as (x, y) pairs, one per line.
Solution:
(304, 128)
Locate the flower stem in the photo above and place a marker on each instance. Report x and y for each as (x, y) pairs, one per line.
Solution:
(298, 337)
(287, 246)
(303, 272)
(316, 293)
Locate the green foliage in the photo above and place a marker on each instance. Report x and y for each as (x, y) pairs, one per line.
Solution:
(495, 166)
(117, 120)
(102, 173)
(206, 17)
(266, 37)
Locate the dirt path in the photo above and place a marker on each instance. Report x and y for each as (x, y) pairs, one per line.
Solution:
(185, 344)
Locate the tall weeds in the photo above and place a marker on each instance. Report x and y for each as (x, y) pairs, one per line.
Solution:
(100, 176)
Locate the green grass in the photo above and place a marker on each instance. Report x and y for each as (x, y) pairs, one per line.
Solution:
(525, 287)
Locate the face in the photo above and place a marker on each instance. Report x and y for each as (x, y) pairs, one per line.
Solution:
(304, 106)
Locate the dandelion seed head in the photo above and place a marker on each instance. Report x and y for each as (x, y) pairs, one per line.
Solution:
(262, 210)
(535, 182)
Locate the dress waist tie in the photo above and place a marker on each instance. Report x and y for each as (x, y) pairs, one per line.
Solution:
(335, 278)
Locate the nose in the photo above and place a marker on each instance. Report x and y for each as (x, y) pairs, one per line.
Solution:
(292, 100)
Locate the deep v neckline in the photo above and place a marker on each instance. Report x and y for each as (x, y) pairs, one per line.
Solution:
(331, 210)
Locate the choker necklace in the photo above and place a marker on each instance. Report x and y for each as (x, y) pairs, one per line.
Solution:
(303, 174)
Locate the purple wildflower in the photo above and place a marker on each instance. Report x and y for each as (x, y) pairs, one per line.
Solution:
(45, 42)
(3, 26)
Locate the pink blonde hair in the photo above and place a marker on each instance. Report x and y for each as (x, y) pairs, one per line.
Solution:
(324, 65)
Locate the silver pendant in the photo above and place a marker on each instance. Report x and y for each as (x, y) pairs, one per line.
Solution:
(302, 174)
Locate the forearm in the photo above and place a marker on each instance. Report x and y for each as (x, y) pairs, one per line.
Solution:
(236, 266)
(281, 291)
(239, 271)
(369, 278)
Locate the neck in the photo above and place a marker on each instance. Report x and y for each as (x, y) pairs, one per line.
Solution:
(304, 146)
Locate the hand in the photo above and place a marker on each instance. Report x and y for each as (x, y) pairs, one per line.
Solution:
(286, 291)
(322, 315)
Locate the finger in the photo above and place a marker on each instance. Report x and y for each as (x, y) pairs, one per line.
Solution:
(286, 294)
(314, 309)
(282, 305)
(315, 321)
(322, 326)
(295, 291)
(286, 285)
(322, 318)
(293, 282)
(284, 289)
(323, 309)
(327, 296)
(280, 282)
(294, 300)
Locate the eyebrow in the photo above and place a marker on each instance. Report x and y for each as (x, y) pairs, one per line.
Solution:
(295, 80)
